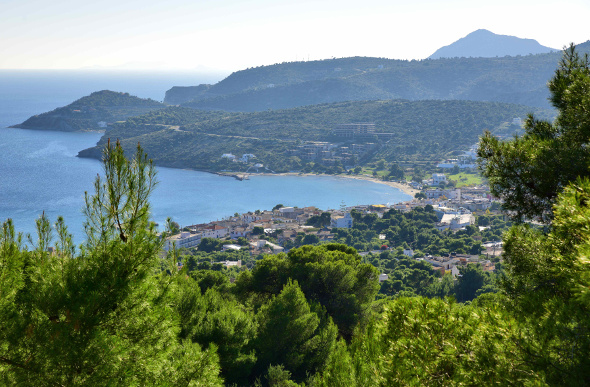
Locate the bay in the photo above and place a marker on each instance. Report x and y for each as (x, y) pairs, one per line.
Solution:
(39, 170)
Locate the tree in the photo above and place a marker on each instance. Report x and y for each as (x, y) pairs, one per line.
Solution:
(174, 227)
(332, 275)
(396, 172)
(292, 334)
(471, 280)
(210, 318)
(209, 245)
(310, 239)
(544, 175)
(322, 220)
(426, 342)
(529, 172)
(99, 316)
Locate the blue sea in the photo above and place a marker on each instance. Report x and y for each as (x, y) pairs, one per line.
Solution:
(39, 170)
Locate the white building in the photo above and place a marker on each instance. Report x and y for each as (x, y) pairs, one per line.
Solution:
(247, 156)
(454, 194)
(183, 240)
(341, 221)
(455, 221)
(438, 178)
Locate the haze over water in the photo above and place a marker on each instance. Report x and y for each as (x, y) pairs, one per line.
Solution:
(39, 170)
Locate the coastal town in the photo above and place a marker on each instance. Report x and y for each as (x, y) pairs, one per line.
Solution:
(279, 229)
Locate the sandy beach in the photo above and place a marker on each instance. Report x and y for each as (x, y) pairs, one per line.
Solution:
(405, 188)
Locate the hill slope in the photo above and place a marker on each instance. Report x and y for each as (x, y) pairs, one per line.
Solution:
(92, 112)
(520, 80)
(418, 131)
(486, 44)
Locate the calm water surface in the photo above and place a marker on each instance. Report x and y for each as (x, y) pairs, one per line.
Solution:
(39, 170)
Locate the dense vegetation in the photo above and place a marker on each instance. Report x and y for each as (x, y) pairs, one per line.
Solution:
(88, 112)
(115, 311)
(421, 130)
(519, 79)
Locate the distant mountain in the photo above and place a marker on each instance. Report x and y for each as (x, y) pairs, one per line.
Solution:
(92, 112)
(510, 79)
(486, 44)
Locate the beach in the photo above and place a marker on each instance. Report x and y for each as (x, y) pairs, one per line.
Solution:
(405, 188)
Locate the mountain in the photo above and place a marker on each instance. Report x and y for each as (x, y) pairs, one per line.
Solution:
(486, 44)
(93, 112)
(510, 79)
(405, 131)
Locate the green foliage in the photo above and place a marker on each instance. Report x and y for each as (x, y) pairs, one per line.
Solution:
(85, 113)
(518, 79)
(396, 172)
(103, 315)
(212, 319)
(258, 230)
(422, 130)
(278, 376)
(292, 334)
(472, 280)
(209, 245)
(529, 171)
(320, 221)
(546, 270)
(417, 341)
(331, 275)
(432, 342)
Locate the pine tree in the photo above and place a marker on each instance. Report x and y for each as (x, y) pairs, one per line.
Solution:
(102, 315)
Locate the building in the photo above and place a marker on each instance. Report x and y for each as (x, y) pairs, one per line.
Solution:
(341, 221)
(454, 194)
(438, 178)
(354, 130)
(455, 221)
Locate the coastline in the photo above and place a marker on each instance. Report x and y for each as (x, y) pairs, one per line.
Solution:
(402, 187)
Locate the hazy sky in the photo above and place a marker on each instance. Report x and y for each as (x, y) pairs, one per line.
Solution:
(236, 34)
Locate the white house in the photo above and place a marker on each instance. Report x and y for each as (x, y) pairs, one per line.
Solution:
(438, 178)
(341, 221)
(455, 221)
(409, 252)
(247, 156)
(231, 247)
(436, 193)
(229, 264)
(183, 240)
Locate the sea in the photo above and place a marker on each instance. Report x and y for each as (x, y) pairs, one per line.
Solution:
(40, 173)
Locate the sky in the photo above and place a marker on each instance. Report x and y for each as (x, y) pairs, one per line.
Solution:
(229, 35)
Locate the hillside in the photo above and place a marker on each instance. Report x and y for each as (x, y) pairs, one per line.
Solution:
(405, 131)
(486, 44)
(92, 112)
(518, 79)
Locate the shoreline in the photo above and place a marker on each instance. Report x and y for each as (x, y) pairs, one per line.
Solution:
(402, 187)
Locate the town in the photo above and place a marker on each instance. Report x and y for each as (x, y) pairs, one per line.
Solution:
(278, 230)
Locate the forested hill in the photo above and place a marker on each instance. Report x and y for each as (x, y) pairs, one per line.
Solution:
(518, 79)
(419, 130)
(92, 112)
